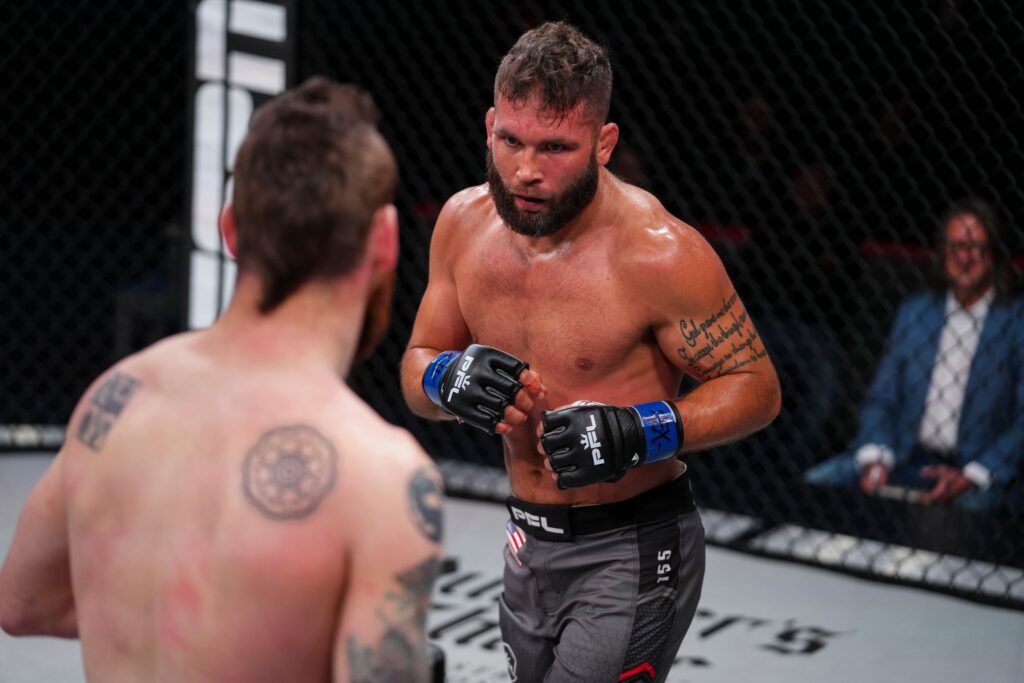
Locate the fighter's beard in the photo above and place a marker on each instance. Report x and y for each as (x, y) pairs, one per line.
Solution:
(377, 317)
(560, 209)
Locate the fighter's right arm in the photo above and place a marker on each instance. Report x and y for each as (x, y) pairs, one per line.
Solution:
(441, 329)
(36, 597)
(439, 324)
(393, 559)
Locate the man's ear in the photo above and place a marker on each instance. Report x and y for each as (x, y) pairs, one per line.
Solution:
(489, 123)
(607, 138)
(229, 229)
(383, 247)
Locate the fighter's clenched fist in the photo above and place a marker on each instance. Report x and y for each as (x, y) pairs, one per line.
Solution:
(587, 443)
(479, 386)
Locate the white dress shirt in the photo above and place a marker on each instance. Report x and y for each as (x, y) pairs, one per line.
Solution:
(940, 422)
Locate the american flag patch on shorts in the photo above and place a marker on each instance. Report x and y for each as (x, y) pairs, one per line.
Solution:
(516, 540)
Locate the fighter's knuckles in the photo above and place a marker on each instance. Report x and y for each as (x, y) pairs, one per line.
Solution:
(556, 441)
(523, 401)
(530, 379)
(513, 416)
(558, 454)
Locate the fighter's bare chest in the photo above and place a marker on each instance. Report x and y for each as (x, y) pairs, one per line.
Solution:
(561, 313)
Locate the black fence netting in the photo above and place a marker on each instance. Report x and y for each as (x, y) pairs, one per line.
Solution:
(92, 193)
(816, 145)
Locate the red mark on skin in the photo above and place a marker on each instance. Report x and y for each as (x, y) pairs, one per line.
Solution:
(180, 607)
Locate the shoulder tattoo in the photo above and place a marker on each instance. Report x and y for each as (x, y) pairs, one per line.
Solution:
(104, 407)
(425, 498)
(289, 471)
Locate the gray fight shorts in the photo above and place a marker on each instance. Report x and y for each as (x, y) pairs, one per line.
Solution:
(601, 593)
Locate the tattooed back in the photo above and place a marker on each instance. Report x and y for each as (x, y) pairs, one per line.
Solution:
(232, 520)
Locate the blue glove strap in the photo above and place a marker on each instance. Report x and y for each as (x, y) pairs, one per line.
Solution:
(662, 430)
(434, 373)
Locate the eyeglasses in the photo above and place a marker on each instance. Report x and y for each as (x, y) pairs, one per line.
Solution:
(972, 247)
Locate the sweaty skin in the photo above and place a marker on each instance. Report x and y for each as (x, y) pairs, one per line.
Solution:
(222, 517)
(614, 307)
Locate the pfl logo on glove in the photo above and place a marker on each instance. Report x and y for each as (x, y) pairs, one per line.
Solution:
(462, 376)
(588, 439)
(475, 385)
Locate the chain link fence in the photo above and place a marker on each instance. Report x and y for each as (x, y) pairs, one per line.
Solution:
(815, 144)
(92, 196)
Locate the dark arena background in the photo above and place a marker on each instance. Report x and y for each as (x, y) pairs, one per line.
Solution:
(814, 144)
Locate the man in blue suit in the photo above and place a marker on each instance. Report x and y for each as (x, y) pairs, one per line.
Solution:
(945, 412)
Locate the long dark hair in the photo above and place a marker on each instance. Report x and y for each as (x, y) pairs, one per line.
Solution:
(988, 217)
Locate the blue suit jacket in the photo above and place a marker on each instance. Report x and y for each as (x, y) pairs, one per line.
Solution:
(991, 429)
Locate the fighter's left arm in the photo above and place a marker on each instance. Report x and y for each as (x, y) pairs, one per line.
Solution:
(35, 582)
(702, 327)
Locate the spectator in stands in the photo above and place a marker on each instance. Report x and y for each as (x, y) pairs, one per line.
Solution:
(945, 412)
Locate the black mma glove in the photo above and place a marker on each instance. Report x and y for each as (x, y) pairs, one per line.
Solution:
(475, 385)
(588, 443)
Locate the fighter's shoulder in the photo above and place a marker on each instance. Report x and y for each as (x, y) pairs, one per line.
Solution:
(368, 437)
(142, 369)
(381, 467)
(464, 208)
(656, 246)
(467, 201)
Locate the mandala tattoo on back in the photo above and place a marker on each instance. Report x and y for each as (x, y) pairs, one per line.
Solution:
(289, 471)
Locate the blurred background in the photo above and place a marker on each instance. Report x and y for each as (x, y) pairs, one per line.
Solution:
(815, 145)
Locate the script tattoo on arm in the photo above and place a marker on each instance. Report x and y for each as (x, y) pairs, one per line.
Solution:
(401, 653)
(724, 342)
(425, 499)
(289, 471)
(105, 406)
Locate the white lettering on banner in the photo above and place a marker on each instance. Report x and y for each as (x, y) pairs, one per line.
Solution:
(228, 87)
(589, 440)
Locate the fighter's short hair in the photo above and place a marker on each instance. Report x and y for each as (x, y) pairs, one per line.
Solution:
(308, 178)
(560, 65)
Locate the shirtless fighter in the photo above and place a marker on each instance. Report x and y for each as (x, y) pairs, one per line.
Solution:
(225, 508)
(556, 283)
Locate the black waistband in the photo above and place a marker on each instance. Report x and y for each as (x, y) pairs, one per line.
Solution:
(563, 522)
